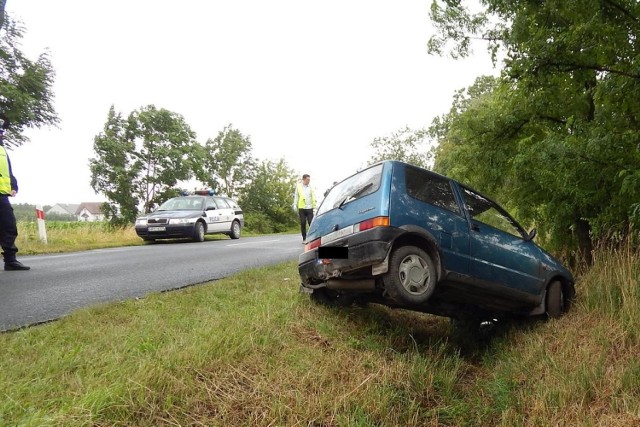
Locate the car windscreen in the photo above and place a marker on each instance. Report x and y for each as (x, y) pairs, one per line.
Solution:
(182, 204)
(352, 188)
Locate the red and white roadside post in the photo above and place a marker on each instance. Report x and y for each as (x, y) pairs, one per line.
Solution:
(42, 230)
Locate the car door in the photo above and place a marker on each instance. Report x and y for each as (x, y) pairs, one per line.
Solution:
(214, 216)
(432, 205)
(498, 251)
(225, 213)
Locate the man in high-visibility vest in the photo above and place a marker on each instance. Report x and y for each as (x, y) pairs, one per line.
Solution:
(304, 201)
(8, 228)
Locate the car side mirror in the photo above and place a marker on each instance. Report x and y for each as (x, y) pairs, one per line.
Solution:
(211, 208)
(533, 233)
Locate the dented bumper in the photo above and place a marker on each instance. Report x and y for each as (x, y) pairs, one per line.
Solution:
(364, 249)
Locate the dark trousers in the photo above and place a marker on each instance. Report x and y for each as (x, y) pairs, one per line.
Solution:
(8, 230)
(306, 215)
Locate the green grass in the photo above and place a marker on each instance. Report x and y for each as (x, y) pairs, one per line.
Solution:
(251, 350)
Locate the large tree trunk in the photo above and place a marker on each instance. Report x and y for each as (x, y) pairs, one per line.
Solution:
(585, 244)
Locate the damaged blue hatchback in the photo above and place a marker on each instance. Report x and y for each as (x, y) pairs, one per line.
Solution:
(406, 237)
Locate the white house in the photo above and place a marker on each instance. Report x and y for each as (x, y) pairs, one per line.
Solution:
(90, 211)
(86, 211)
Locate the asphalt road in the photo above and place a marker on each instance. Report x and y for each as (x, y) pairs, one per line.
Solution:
(57, 284)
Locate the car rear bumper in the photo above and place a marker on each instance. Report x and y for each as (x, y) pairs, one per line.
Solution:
(364, 249)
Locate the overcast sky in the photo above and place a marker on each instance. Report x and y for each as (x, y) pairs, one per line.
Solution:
(311, 82)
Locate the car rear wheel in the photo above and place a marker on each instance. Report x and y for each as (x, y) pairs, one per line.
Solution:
(554, 299)
(411, 278)
(235, 230)
(198, 232)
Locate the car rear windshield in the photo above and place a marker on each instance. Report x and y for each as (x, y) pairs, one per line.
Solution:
(352, 188)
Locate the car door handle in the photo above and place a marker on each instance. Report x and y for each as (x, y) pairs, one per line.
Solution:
(475, 227)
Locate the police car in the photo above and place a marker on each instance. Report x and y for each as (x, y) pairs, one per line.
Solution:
(192, 217)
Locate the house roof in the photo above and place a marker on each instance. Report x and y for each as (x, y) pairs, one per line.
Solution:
(94, 208)
(71, 208)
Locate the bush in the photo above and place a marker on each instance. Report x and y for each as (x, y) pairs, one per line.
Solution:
(259, 223)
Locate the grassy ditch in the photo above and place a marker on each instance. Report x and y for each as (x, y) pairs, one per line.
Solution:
(251, 351)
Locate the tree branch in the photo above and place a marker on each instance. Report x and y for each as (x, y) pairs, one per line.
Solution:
(574, 67)
(624, 11)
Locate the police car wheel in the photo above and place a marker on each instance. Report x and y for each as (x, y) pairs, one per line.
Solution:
(235, 230)
(198, 232)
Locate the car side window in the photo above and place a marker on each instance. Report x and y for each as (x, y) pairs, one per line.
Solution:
(485, 211)
(210, 204)
(222, 203)
(232, 203)
(431, 189)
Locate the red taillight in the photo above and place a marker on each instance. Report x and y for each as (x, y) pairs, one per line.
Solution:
(379, 221)
(312, 245)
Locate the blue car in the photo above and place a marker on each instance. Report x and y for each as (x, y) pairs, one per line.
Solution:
(406, 237)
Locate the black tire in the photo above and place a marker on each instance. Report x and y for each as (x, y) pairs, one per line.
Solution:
(331, 298)
(198, 232)
(554, 300)
(235, 230)
(411, 278)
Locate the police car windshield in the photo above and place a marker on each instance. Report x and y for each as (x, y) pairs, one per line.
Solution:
(183, 204)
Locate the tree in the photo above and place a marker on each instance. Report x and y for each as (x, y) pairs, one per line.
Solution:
(139, 162)
(25, 86)
(228, 163)
(115, 169)
(559, 132)
(165, 145)
(406, 145)
(267, 198)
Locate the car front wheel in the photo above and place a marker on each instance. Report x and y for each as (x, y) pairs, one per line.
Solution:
(411, 278)
(198, 232)
(554, 300)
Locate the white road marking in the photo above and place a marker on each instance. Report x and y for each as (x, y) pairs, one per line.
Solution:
(253, 243)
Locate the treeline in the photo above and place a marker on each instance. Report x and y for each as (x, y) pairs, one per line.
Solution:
(25, 212)
(557, 134)
(140, 161)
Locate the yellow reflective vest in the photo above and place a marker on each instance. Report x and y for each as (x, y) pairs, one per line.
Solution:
(5, 172)
(302, 202)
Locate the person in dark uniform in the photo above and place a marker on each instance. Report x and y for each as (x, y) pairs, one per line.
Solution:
(8, 188)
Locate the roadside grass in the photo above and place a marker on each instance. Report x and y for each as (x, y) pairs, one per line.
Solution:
(65, 236)
(250, 350)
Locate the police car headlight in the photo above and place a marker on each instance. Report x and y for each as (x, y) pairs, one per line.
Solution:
(141, 221)
(182, 220)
